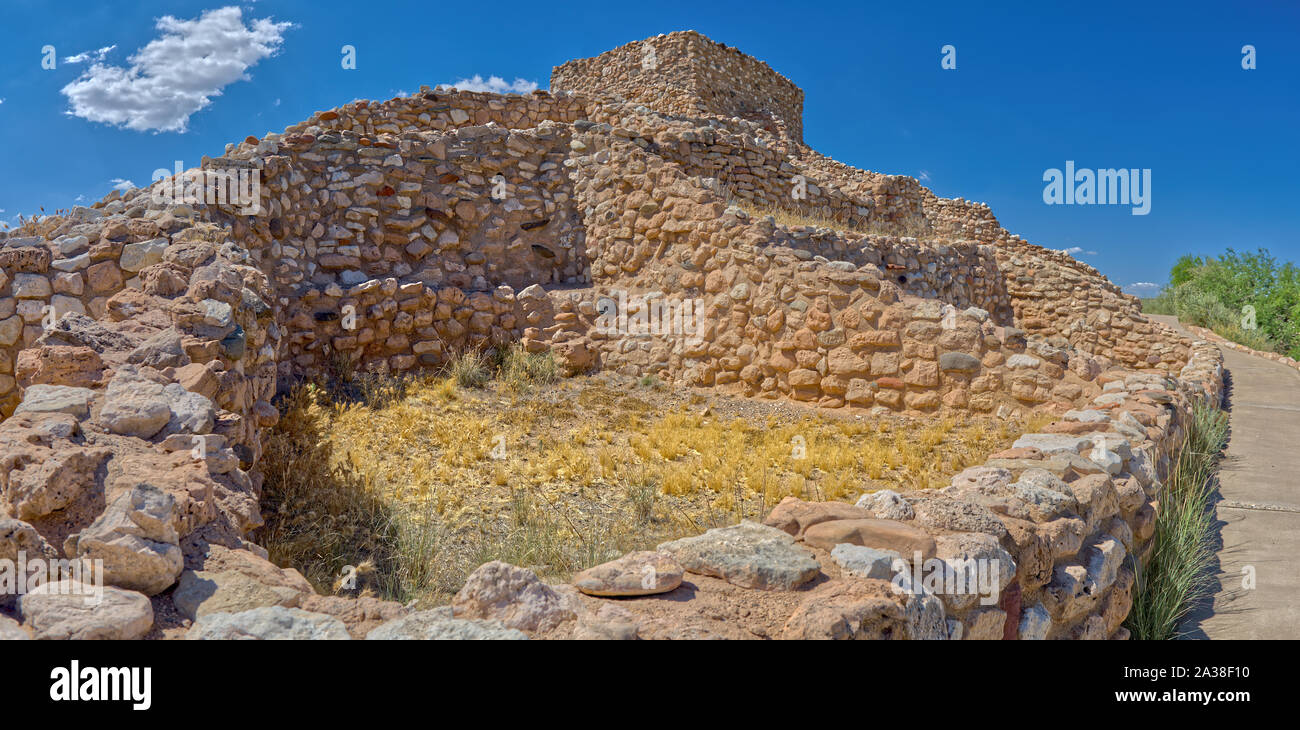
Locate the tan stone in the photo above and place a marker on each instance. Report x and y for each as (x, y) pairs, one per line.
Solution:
(879, 534)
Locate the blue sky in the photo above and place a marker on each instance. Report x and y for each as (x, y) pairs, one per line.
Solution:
(1106, 85)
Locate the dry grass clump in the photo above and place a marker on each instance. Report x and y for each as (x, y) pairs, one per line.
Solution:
(1180, 568)
(428, 477)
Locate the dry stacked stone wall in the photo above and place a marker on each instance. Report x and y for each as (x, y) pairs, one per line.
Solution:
(686, 74)
(143, 340)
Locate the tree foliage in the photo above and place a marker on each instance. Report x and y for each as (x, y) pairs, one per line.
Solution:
(1218, 292)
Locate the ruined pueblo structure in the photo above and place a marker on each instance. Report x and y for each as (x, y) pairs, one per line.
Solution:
(623, 221)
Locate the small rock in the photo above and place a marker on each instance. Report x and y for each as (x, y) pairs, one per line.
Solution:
(880, 534)
(438, 625)
(136, 256)
(1054, 443)
(11, 630)
(749, 555)
(635, 574)
(887, 504)
(865, 562)
(270, 623)
(134, 405)
(136, 540)
(70, 610)
(794, 516)
(17, 537)
(514, 596)
(199, 593)
(1035, 623)
(163, 350)
(57, 399)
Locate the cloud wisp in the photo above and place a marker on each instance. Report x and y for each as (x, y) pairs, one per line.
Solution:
(1076, 250)
(1142, 288)
(176, 74)
(95, 56)
(495, 85)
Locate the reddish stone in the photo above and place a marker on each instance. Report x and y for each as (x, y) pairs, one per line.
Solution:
(881, 534)
(1011, 604)
(891, 383)
(250, 139)
(329, 116)
(386, 191)
(74, 366)
(793, 515)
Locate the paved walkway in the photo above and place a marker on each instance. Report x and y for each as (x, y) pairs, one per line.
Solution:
(1259, 511)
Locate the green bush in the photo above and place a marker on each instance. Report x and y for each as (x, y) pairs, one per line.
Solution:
(1214, 292)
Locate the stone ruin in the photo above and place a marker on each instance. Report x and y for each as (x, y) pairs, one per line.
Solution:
(143, 341)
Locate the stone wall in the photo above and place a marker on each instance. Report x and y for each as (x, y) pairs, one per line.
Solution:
(389, 213)
(687, 74)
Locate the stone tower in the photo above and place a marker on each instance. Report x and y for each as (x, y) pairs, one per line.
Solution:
(686, 74)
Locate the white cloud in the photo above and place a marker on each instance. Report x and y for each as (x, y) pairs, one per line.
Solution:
(121, 184)
(96, 56)
(176, 74)
(1076, 250)
(1142, 288)
(495, 84)
(2, 101)
(924, 176)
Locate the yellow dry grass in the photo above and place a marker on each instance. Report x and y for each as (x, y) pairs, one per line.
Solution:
(432, 482)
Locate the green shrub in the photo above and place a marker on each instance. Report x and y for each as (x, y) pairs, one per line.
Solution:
(1214, 292)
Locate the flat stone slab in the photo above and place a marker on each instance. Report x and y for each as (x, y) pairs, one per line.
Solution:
(439, 625)
(1054, 443)
(880, 534)
(271, 623)
(70, 610)
(11, 630)
(57, 399)
(641, 573)
(793, 515)
(865, 562)
(202, 592)
(886, 504)
(749, 555)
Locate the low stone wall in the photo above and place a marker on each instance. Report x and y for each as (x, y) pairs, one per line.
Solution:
(1214, 337)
